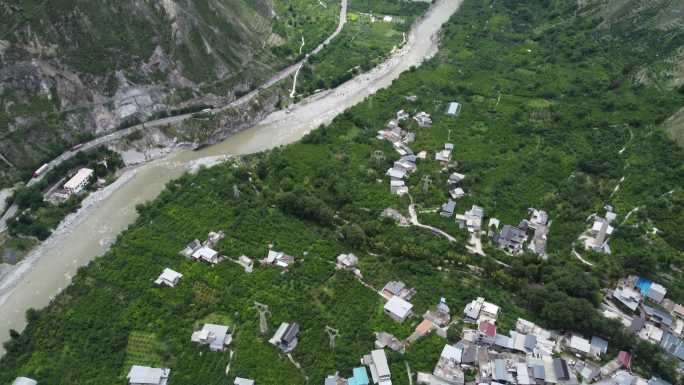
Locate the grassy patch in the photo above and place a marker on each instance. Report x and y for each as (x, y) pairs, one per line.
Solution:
(143, 349)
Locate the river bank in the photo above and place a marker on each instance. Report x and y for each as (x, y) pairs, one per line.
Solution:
(94, 227)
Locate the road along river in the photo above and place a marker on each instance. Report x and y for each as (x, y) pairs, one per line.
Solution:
(89, 232)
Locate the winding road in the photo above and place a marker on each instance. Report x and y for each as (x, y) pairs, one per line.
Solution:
(89, 232)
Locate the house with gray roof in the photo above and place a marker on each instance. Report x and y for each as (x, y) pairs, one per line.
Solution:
(599, 346)
(243, 381)
(658, 316)
(453, 109)
(144, 375)
(24, 381)
(673, 345)
(168, 277)
(657, 381)
(448, 209)
(511, 239)
(560, 368)
(286, 337)
(216, 336)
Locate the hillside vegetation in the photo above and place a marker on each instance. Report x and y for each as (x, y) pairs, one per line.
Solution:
(74, 69)
(548, 108)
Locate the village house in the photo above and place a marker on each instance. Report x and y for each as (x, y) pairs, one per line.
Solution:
(448, 209)
(455, 178)
(454, 109)
(190, 248)
(216, 336)
(599, 346)
(207, 254)
(441, 316)
(398, 309)
(471, 219)
(335, 379)
(448, 366)
(278, 258)
(24, 381)
(479, 309)
(78, 182)
(500, 371)
(247, 263)
(486, 333)
(539, 223)
(596, 238)
(444, 155)
(396, 173)
(379, 368)
(511, 239)
(579, 345)
(424, 328)
(285, 338)
(402, 115)
(143, 375)
(517, 342)
(423, 119)
(243, 381)
(674, 346)
(397, 288)
(398, 187)
(405, 164)
(392, 135)
(214, 237)
(347, 261)
(359, 377)
(456, 193)
(647, 331)
(387, 340)
(169, 278)
(651, 290)
(657, 316)
(627, 298)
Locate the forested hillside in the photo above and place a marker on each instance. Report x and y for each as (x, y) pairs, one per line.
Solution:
(554, 116)
(74, 69)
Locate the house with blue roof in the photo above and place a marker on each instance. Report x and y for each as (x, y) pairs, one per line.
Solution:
(360, 377)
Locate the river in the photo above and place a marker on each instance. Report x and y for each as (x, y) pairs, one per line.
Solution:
(89, 232)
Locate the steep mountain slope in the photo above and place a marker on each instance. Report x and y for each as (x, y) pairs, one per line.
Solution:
(72, 69)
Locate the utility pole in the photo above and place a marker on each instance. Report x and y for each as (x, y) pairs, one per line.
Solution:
(332, 334)
(427, 181)
(263, 313)
(378, 156)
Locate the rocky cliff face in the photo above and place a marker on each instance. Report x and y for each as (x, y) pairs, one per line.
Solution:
(74, 69)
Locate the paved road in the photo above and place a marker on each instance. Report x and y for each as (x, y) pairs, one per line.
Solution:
(415, 222)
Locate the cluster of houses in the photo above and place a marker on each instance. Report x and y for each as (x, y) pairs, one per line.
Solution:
(376, 363)
(527, 355)
(203, 251)
(218, 337)
(596, 238)
(513, 239)
(650, 315)
(400, 140)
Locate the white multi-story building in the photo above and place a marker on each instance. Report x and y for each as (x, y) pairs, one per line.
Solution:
(78, 182)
